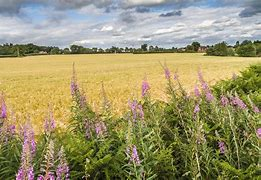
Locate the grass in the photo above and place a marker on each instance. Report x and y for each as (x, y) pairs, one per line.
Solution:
(31, 83)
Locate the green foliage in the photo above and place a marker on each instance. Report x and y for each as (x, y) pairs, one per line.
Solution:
(10, 153)
(247, 85)
(186, 137)
(219, 49)
(246, 50)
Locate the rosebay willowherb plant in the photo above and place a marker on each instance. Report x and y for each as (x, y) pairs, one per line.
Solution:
(10, 144)
(193, 126)
(189, 136)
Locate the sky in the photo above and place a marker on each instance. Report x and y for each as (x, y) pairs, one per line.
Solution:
(106, 23)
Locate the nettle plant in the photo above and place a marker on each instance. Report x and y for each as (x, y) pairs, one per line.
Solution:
(191, 136)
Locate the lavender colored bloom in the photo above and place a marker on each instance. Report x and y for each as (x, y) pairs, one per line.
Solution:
(221, 146)
(196, 109)
(3, 110)
(236, 101)
(196, 91)
(141, 112)
(133, 106)
(167, 73)
(40, 177)
(258, 132)
(33, 144)
(224, 101)
(49, 123)
(74, 86)
(209, 96)
(62, 171)
(136, 110)
(20, 174)
(256, 109)
(204, 86)
(83, 102)
(145, 88)
(30, 173)
(100, 129)
(26, 169)
(135, 157)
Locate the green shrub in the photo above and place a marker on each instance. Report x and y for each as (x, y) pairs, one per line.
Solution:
(247, 85)
(219, 49)
(198, 136)
(248, 50)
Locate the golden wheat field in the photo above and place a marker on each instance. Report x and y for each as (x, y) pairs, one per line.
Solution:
(31, 83)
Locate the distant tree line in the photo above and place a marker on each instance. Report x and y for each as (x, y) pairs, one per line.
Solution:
(27, 49)
(246, 49)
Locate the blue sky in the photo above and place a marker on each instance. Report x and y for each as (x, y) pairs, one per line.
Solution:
(103, 23)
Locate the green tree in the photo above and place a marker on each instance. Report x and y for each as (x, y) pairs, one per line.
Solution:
(75, 49)
(66, 51)
(246, 50)
(196, 46)
(258, 50)
(55, 50)
(219, 49)
(190, 49)
(144, 47)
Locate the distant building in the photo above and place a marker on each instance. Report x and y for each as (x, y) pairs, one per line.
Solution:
(202, 49)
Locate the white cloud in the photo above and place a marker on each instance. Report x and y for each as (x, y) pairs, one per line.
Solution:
(204, 24)
(107, 28)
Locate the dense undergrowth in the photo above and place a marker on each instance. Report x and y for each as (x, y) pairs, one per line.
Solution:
(192, 136)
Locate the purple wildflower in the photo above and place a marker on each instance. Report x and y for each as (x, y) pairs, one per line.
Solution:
(30, 173)
(74, 86)
(167, 73)
(176, 76)
(141, 112)
(41, 177)
(209, 96)
(221, 146)
(135, 157)
(145, 88)
(3, 110)
(26, 169)
(205, 88)
(62, 171)
(196, 109)
(100, 129)
(258, 132)
(256, 109)
(33, 144)
(20, 174)
(83, 102)
(133, 107)
(196, 91)
(236, 101)
(136, 110)
(224, 101)
(49, 124)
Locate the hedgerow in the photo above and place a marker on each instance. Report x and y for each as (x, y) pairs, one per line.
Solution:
(203, 135)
